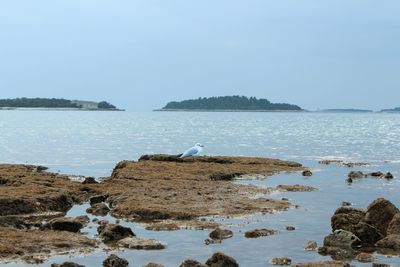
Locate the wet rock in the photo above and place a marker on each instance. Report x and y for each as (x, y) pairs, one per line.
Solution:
(90, 180)
(113, 232)
(388, 175)
(345, 204)
(281, 261)
(224, 176)
(295, 188)
(290, 228)
(394, 225)
(346, 218)
(356, 174)
(67, 264)
(221, 234)
(115, 261)
(219, 259)
(381, 265)
(259, 232)
(307, 173)
(99, 209)
(68, 224)
(152, 264)
(342, 239)
(365, 257)
(376, 174)
(138, 243)
(390, 242)
(349, 180)
(192, 263)
(97, 199)
(311, 245)
(324, 264)
(367, 233)
(380, 213)
(336, 253)
(209, 241)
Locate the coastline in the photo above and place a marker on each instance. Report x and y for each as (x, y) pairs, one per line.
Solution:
(58, 109)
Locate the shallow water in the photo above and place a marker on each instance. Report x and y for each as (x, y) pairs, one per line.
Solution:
(91, 143)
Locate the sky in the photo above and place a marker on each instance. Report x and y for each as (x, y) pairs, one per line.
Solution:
(139, 55)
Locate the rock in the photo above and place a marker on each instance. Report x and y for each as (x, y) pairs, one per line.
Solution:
(342, 239)
(67, 264)
(152, 264)
(367, 233)
(394, 225)
(97, 199)
(311, 245)
(346, 218)
(67, 224)
(390, 241)
(115, 261)
(356, 174)
(380, 265)
(99, 209)
(221, 234)
(380, 213)
(192, 263)
(295, 188)
(90, 180)
(388, 175)
(219, 259)
(281, 261)
(336, 253)
(349, 180)
(113, 232)
(345, 204)
(324, 264)
(290, 228)
(259, 232)
(306, 173)
(138, 243)
(224, 176)
(209, 241)
(365, 257)
(376, 174)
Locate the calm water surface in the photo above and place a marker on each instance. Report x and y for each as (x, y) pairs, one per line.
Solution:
(91, 143)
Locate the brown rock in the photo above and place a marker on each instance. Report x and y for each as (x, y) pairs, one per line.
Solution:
(394, 225)
(346, 218)
(306, 173)
(113, 232)
(221, 234)
(356, 174)
(99, 209)
(367, 233)
(381, 265)
(342, 239)
(152, 264)
(192, 263)
(97, 199)
(388, 175)
(138, 243)
(220, 259)
(336, 253)
(324, 264)
(365, 257)
(115, 261)
(290, 228)
(90, 180)
(390, 241)
(67, 224)
(311, 245)
(281, 261)
(380, 213)
(67, 264)
(259, 232)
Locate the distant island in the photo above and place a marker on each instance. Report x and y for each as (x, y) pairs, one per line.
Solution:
(228, 103)
(393, 110)
(346, 110)
(55, 103)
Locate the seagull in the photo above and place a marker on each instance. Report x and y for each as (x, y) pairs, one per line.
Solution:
(193, 151)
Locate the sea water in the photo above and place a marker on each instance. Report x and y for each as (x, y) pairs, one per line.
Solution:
(91, 143)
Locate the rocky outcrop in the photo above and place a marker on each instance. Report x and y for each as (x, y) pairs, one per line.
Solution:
(115, 261)
(138, 243)
(69, 224)
(259, 232)
(220, 259)
(113, 232)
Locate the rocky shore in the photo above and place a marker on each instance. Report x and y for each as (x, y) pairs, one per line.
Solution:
(162, 190)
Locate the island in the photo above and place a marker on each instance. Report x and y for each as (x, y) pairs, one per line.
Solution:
(393, 110)
(228, 103)
(55, 103)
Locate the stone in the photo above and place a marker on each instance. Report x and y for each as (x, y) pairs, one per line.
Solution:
(307, 173)
(90, 180)
(113, 232)
(388, 175)
(281, 261)
(380, 213)
(97, 199)
(115, 261)
(367, 233)
(346, 218)
(259, 232)
(345, 203)
(380, 265)
(219, 259)
(67, 264)
(191, 263)
(336, 253)
(365, 257)
(138, 243)
(324, 264)
(394, 225)
(390, 242)
(290, 228)
(152, 264)
(376, 174)
(98, 209)
(311, 245)
(342, 239)
(356, 174)
(221, 234)
(67, 224)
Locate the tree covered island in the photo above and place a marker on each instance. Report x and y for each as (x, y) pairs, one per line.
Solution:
(54, 103)
(229, 103)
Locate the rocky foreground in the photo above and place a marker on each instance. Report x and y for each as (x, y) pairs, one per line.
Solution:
(160, 189)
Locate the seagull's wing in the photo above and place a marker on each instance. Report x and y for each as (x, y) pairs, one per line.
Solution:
(190, 152)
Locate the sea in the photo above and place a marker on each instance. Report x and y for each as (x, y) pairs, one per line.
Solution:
(91, 143)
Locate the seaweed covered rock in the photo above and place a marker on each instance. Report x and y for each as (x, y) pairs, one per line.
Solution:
(113, 232)
(115, 261)
(220, 259)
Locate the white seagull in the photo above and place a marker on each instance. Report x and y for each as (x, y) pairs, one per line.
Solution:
(193, 151)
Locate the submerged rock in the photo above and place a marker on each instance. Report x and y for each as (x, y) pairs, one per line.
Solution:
(311, 245)
(115, 261)
(138, 243)
(221, 234)
(113, 232)
(324, 264)
(219, 259)
(356, 174)
(281, 261)
(259, 232)
(67, 264)
(152, 264)
(365, 257)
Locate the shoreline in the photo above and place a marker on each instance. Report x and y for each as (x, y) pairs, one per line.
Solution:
(58, 109)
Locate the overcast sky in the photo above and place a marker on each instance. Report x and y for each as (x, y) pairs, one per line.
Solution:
(139, 55)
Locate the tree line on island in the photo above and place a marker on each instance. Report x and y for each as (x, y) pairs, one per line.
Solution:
(229, 103)
(54, 103)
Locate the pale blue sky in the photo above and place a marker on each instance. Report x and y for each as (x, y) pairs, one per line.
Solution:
(141, 54)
